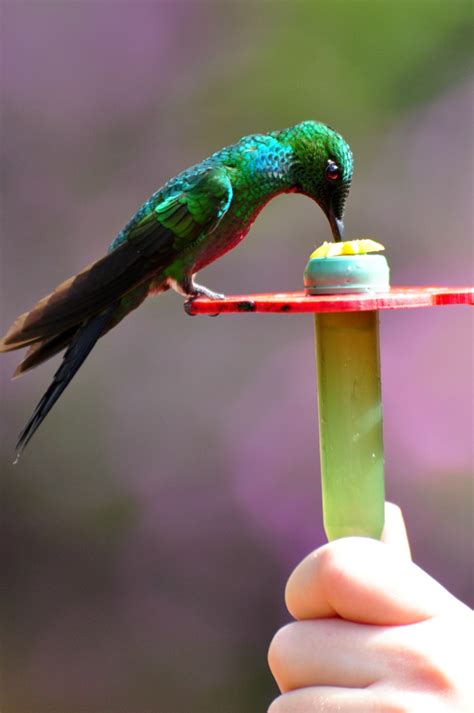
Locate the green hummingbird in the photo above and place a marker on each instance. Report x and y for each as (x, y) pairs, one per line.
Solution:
(191, 221)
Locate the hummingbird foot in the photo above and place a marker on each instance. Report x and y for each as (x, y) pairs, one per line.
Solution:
(200, 291)
(191, 290)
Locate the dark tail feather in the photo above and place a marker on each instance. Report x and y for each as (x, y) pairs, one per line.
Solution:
(82, 343)
(41, 351)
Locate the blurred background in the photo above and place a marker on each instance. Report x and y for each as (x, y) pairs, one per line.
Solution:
(149, 529)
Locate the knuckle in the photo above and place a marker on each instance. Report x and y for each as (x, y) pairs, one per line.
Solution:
(390, 701)
(333, 564)
(430, 670)
(278, 706)
(426, 668)
(279, 647)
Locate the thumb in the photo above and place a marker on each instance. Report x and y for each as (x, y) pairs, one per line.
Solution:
(365, 581)
(394, 531)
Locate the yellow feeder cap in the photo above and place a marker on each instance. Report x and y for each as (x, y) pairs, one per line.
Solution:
(347, 247)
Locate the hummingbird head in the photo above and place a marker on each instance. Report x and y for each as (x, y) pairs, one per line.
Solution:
(321, 168)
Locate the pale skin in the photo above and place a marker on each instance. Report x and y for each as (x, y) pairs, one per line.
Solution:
(374, 633)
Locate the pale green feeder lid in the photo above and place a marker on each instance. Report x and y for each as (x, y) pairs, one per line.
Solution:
(327, 273)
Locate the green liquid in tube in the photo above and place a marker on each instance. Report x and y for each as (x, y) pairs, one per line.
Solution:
(350, 423)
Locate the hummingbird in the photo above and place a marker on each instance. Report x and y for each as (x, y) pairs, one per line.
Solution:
(196, 217)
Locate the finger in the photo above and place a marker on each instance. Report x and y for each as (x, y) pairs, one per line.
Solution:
(331, 700)
(366, 581)
(327, 652)
(394, 532)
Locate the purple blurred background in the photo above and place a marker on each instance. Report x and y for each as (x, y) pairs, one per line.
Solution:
(147, 533)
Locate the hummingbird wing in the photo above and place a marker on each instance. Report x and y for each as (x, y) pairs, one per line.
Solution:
(87, 305)
(159, 233)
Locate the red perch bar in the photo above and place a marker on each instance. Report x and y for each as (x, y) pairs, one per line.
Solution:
(299, 302)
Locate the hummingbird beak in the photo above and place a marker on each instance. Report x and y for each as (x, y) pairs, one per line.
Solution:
(337, 226)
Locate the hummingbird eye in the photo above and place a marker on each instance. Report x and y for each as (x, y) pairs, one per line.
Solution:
(332, 171)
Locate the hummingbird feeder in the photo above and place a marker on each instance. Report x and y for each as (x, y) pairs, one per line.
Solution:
(345, 289)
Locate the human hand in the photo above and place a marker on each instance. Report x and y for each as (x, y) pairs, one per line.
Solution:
(374, 633)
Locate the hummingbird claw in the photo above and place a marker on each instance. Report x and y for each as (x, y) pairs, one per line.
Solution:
(202, 292)
(188, 306)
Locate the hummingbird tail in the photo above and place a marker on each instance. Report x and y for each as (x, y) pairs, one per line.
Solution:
(81, 345)
(44, 350)
(126, 268)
